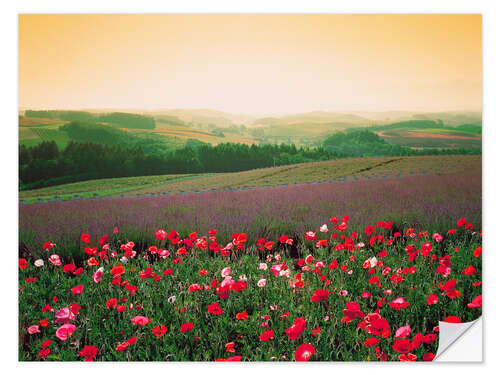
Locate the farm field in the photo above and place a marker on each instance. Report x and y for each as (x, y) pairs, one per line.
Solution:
(342, 272)
(432, 138)
(340, 170)
(184, 133)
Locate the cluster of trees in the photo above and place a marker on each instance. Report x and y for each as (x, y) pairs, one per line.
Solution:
(367, 143)
(79, 131)
(424, 124)
(117, 119)
(46, 164)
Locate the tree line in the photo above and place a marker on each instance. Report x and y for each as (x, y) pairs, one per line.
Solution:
(47, 165)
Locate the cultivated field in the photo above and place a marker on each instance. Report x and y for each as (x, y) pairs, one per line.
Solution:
(340, 170)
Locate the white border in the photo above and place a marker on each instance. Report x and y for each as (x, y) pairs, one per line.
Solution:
(491, 82)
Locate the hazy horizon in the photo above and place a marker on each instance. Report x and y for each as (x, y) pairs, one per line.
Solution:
(254, 65)
(280, 114)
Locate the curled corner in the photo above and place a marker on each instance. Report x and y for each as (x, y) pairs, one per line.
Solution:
(450, 333)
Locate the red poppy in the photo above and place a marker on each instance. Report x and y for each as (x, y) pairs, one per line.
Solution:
(432, 299)
(47, 245)
(159, 331)
(85, 237)
(428, 357)
(471, 270)
(377, 326)
(242, 315)
(369, 230)
(320, 295)
(298, 326)
(77, 289)
(239, 286)
(476, 302)
(214, 309)
(44, 322)
(44, 352)
(267, 335)
(88, 352)
(147, 273)
(399, 303)
(124, 345)
(74, 308)
(186, 327)
(117, 270)
(304, 352)
(223, 291)
(351, 312)
(111, 304)
(23, 264)
(453, 319)
(371, 341)
(402, 346)
(69, 268)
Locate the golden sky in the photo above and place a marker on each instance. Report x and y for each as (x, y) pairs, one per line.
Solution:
(254, 64)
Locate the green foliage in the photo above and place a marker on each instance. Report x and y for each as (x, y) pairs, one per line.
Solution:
(128, 120)
(470, 128)
(90, 132)
(367, 143)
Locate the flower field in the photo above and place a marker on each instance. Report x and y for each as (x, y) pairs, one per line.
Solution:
(359, 271)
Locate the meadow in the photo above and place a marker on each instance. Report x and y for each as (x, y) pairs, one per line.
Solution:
(359, 271)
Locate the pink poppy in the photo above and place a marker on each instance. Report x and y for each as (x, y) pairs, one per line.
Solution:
(55, 260)
(402, 332)
(64, 315)
(33, 329)
(97, 277)
(399, 303)
(65, 331)
(140, 320)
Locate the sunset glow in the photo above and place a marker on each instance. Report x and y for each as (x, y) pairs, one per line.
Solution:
(254, 64)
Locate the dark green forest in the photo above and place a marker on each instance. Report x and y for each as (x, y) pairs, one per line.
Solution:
(475, 128)
(46, 165)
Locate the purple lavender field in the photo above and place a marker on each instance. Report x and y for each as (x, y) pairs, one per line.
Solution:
(420, 201)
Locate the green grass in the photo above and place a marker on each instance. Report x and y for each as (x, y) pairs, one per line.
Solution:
(102, 187)
(33, 135)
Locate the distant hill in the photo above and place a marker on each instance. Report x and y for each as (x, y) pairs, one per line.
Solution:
(204, 116)
(315, 116)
